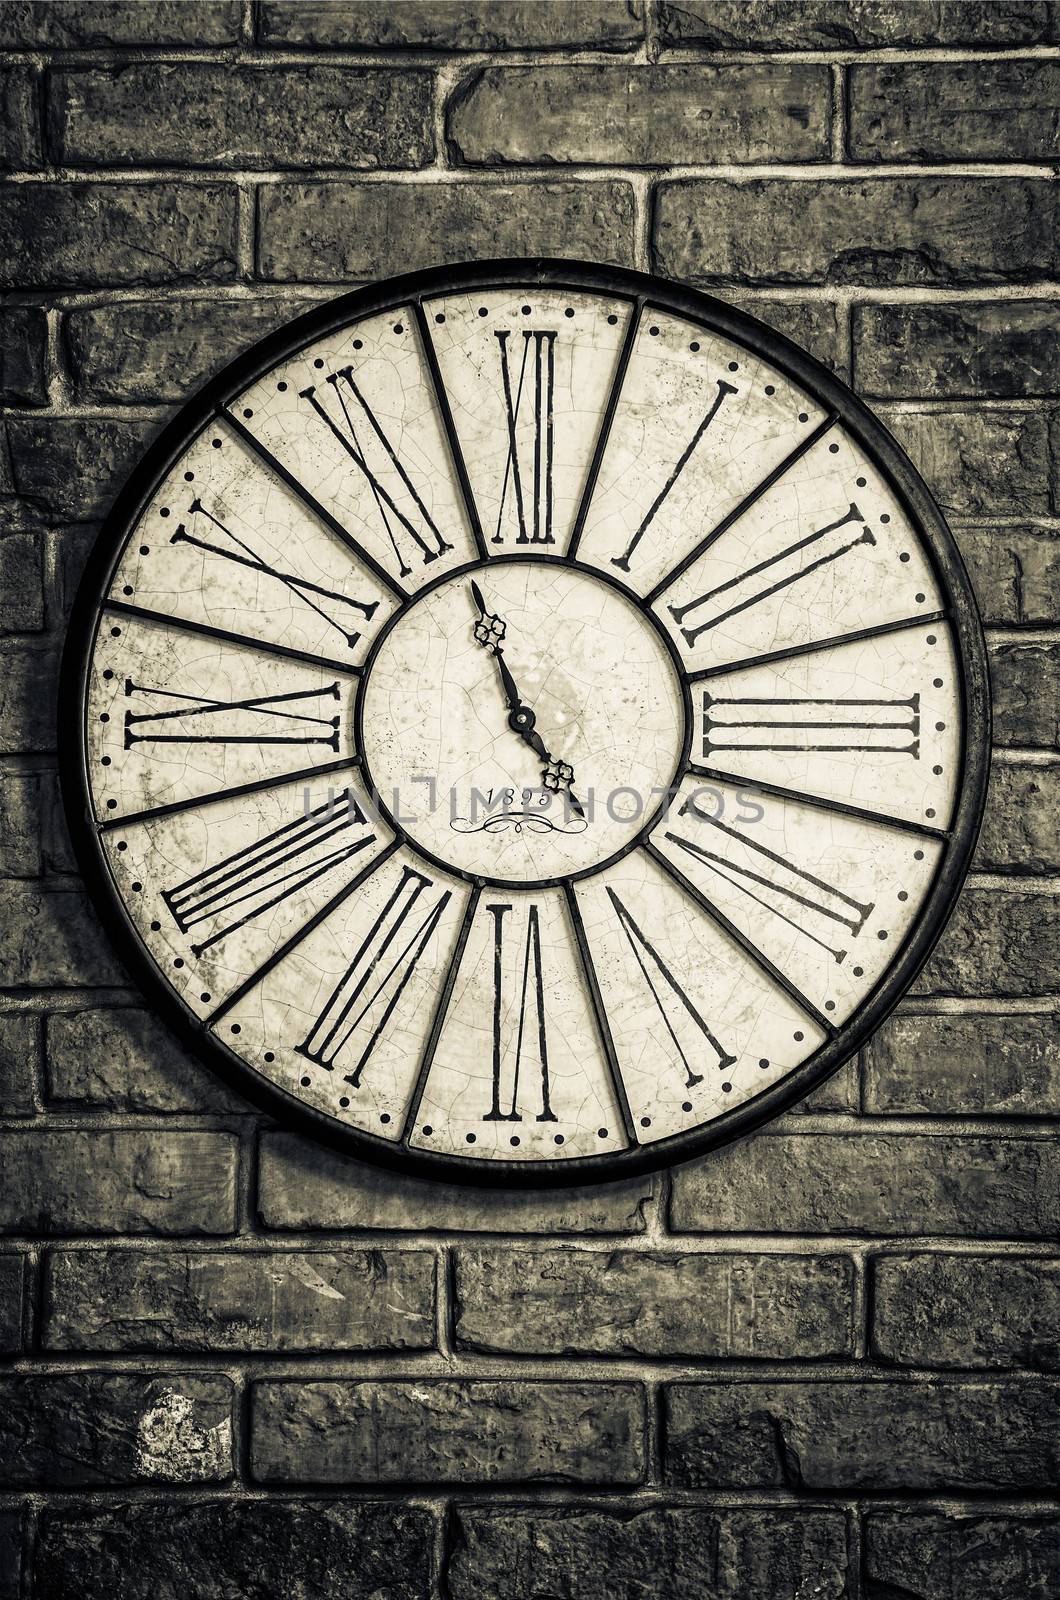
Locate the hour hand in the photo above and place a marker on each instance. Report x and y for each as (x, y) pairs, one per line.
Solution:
(489, 632)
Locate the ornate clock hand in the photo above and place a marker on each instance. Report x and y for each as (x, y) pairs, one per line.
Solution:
(555, 775)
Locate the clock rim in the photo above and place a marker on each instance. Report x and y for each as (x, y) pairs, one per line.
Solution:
(718, 317)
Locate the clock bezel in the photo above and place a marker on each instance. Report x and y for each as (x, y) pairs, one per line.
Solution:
(713, 316)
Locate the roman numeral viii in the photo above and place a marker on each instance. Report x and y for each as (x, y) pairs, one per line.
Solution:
(337, 610)
(354, 424)
(531, 480)
(364, 999)
(229, 894)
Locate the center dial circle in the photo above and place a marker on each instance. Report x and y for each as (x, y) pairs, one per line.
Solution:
(522, 722)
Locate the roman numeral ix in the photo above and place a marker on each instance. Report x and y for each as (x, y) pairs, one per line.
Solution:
(198, 720)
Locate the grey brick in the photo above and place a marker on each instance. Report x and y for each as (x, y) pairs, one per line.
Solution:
(117, 1181)
(964, 1065)
(955, 1555)
(82, 1429)
(194, 114)
(980, 463)
(217, 1549)
(935, 1310)
(996, 943)
(20, 145)
(1015, 571)
(73, 467)
(127, 1060)
(430, 1431)
(113, 1300)
(859, 1436)
(873, 1183)
(563, 1301)
(924, 230)
(15, 1288)
(23, 331)
(686, 1553)
(643, 116)
(1019, 828)
(852, 24)
(81, 24)
(19, 1062)
(946, 350)
(954, 111)
(51, 938)
(1025, 685)
(331, 232)
(453, 24)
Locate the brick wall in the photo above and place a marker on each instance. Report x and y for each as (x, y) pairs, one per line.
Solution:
(817, 1363)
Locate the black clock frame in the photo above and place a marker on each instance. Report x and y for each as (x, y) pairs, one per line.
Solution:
(644, 291)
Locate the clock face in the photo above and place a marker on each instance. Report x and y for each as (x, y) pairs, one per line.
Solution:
(530, 722)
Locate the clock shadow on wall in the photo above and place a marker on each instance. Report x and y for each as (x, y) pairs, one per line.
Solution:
(525, 722)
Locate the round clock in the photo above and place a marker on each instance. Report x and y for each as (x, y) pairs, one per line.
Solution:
(526, 721)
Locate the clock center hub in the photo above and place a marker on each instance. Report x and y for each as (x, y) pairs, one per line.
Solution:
(522, 722)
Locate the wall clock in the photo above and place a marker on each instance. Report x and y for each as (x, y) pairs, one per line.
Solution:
(526, 721)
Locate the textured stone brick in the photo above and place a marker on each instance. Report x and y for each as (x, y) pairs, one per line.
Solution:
(20, 841)
(163, 350)
(73, 467)
(954, 111)
(103, 1181)
(82, 1429)
(557, 1302)
(857, 230)
(330, 232)
(29, 675)
(1016, 572)
(127, 1060)
(19, 1063)
(1025, 686)
(19, 118)
(304, 1185)
(840, 1092)
(431, 1431)
(453, 24)
(191, 113)
(218, 1549)
(813, 324)
(1019, 828)
(51, 939)
(247, 1300)
(852, 24)
(964, 1065)
(996, 943)
(942, 350)
(10, 1554)
(967, 1311)
(21, 581)
(643, 116)
(23, 330)
(683, 1552)
(980, 463)
(955, 1555)
(862, 1435)
(77, 24)
(14, 1293)
(76, 235)
(872, 1183)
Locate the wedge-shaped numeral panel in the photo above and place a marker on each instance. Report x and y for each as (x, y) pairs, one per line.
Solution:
(699, 424)
(519, 1071)
(343, 1020)
(697, 1027)
(355, 423)
(217, 888)
(874, 722)
(225, 543)
(174, 714)
(825, 551)
(528, 376)
(826, 897)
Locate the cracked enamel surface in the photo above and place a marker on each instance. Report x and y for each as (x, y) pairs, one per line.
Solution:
(523, 726)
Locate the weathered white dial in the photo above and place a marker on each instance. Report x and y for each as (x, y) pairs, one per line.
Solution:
(533, 724)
